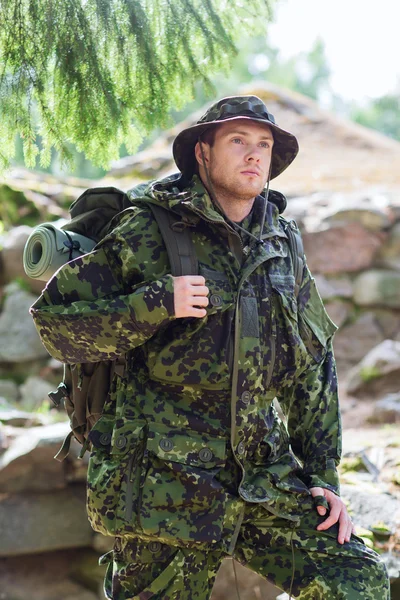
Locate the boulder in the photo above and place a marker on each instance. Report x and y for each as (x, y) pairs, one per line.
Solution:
(379, 371)
(389, 322)
(353, 341)
(47, 576)
(43, 522)
(369, 506)
(18, 418)
(28, 464)
(372, 218)
(34, 392)
(377, 287)
(334, 287)
(19, 341)
(339, 311)
(387, 410)
(389, 254)
(9, 390)
(250, 585)
(341, 249)
(11, 257)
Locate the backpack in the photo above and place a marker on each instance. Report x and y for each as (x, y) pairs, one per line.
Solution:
(85, 386)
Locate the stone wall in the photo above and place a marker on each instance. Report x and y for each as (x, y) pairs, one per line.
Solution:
(352, 243)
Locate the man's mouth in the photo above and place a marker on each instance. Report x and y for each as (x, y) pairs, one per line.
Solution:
(251, 172)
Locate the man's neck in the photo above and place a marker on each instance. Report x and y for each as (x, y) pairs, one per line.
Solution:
(235, 209)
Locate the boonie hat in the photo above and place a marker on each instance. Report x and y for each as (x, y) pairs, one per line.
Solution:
(253, 108)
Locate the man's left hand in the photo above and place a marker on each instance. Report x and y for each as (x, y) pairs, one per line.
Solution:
(338, 513)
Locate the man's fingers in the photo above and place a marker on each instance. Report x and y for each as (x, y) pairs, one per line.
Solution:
(344, 522)
(199, 290)
(193, 279)
(199, 301)
(331, 520)
(196, 312)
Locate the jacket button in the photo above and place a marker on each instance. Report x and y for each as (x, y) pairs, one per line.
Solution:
(246, 397)
(154, 547)
(120, 442)
(240, 449)
(205, 454)
(105, 439)
(215, 300)
(166, 444)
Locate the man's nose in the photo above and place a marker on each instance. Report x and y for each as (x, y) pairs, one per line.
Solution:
(253, 154)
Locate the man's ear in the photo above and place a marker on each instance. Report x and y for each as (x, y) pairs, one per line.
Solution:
(198, 153)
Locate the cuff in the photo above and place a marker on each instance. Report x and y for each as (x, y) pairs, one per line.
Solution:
(326, 477)
(153, 304)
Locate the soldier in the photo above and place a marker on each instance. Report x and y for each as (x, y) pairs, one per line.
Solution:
(191, 461)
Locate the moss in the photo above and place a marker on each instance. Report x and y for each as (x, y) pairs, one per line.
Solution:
(369, 373)
(353, 463)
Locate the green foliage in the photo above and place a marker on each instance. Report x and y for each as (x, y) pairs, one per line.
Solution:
(101, 73)
(381, 114)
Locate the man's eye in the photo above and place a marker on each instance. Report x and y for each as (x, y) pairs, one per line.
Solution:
(264, 144)
(237, 141)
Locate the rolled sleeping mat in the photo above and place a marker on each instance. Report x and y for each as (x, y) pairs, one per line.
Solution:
(49, 247)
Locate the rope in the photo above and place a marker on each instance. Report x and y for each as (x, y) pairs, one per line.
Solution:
(236, 579)
(293, 562)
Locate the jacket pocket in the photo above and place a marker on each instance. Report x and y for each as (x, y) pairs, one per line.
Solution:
(302, 322)
(181, 497)
(117, 448)
(196, 351)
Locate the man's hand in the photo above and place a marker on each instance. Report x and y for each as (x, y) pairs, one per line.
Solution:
(190, 292)
(338, 512)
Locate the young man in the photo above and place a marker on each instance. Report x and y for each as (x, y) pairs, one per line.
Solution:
(190, 461)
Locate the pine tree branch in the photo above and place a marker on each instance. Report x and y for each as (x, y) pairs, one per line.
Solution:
(99, 73)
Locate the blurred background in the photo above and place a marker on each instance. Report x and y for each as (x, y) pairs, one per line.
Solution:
(329, 72)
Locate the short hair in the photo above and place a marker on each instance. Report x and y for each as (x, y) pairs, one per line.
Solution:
(208, 136)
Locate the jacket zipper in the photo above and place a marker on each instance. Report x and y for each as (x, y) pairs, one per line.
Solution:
(273, 346)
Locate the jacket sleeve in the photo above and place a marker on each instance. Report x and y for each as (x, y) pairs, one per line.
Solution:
(100, 306)
(311, 406)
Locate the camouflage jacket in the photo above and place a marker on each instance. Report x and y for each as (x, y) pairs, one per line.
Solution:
(196, 403)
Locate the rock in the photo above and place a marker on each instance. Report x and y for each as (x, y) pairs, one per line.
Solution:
(339, 311)
(9, 390)
(102, 543)
(32, 523)
(44, 576)
(250, 584)
(353, 341)
(18, 418)
(372, 218)
(387, 410)
(19, 341)
(344, 248)
(392, 563)
(379, 371)
(389, 322)
(34, 392)
(11, 257)
(28, 463)
(389, 254)
(334, 287)
(369, 506)
(377, 287)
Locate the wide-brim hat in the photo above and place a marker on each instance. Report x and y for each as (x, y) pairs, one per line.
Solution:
(253, 108)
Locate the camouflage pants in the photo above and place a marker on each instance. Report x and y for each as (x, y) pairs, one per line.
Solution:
(320, 567)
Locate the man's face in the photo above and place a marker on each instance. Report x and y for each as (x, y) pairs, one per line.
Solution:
(239, 159)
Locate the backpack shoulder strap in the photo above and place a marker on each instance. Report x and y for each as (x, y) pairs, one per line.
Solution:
(296, 250)
(177, 239)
